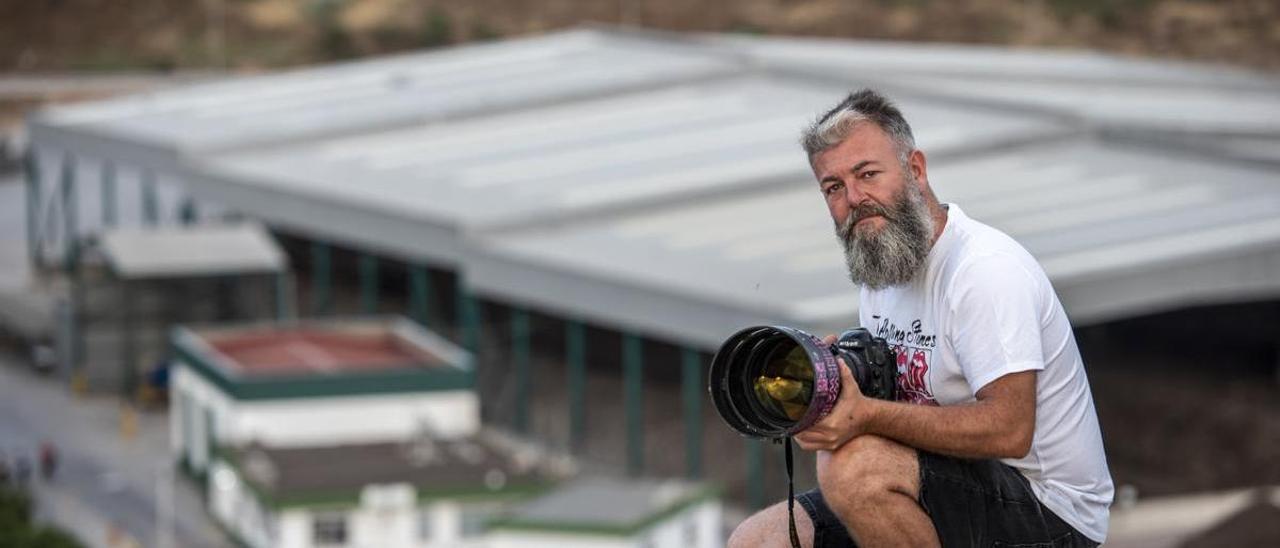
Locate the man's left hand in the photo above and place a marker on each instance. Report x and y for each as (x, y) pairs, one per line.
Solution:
(843, 422)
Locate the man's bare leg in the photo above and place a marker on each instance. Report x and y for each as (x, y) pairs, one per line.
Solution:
(873, 484)
(768, 529)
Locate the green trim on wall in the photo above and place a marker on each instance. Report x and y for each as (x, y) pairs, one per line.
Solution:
(619, 530)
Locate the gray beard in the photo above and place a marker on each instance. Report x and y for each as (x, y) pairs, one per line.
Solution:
(895, 254)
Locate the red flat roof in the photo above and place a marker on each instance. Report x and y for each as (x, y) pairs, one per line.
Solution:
(317, 350)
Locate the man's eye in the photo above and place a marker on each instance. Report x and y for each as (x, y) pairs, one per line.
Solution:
(868, 174)
(832, 189)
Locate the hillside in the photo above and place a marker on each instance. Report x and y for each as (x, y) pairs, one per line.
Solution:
(246, 34)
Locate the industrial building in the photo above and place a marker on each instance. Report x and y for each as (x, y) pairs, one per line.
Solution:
(649, 185)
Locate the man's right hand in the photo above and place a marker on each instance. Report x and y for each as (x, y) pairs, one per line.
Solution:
(843, 422)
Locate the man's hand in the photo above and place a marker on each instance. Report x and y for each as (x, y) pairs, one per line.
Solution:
(844, 422)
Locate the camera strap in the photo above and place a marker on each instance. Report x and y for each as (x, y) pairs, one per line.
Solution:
(791, 498)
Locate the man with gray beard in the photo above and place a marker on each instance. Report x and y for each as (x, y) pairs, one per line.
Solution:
(993, 439)
(893, 256)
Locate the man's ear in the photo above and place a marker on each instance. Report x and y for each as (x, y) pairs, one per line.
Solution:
(919, 166)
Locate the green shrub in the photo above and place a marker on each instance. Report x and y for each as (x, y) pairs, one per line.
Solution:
(16, 529)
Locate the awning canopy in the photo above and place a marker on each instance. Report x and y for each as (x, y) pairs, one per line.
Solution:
(196, 251)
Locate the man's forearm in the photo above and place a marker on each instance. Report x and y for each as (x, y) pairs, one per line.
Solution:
(974, 430)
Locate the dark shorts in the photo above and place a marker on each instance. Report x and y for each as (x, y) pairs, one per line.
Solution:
(972, 503)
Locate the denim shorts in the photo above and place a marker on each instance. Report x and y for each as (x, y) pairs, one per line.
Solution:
(972, 503)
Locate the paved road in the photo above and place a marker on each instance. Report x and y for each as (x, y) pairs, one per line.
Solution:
(104, 480)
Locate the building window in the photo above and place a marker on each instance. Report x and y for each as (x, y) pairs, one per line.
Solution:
(329, 529)
(425, 529)
(691, 533)
(475, 519)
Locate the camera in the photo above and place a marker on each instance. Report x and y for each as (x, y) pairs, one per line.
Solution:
(772, 382)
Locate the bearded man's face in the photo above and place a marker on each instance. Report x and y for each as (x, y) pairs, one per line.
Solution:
(894, 251)
(875, 194)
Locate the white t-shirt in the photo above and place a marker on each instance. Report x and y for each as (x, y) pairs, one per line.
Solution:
(982, 309)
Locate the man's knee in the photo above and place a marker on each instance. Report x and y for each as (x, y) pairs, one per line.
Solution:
(866, 469)
(769, 527)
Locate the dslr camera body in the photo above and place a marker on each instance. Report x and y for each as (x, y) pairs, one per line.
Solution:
(772, 382)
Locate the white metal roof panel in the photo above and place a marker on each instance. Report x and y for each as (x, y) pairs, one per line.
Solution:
(890, 59)
(1100, 219)
(1104, 89)
(249, 111)
(564, 162)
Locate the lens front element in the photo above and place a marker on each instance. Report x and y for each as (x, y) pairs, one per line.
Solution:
(785, 384)
(773, 381)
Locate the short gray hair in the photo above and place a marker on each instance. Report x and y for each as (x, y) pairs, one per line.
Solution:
(864, 105)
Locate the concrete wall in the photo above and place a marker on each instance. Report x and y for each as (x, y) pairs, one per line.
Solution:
(387, 517)
(390, 516)
(233, 505)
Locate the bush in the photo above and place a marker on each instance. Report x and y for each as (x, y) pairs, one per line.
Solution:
(16, 529)
(437, 29)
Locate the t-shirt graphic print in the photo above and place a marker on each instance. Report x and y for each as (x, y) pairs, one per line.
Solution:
(913, 350)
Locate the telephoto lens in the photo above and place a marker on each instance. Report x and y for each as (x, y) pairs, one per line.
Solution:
(773, 381)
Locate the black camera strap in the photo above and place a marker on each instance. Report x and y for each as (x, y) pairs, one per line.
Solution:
(791, 498)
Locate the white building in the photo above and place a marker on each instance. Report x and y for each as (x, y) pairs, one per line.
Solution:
(375, 421)
(413, 494)
(316, 383)
(366, 433)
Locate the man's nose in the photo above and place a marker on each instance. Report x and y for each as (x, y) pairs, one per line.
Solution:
(854, 194)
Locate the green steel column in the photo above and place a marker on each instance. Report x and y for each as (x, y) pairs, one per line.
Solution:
(70, 209)
(368, 283)
(32, 164)
(187, 211)
(633, 371)
(419, 294)
(321, 278)
(468, 319)
(520, 359)
(210, 437)
(693, 391)
(283, 290)
(110, 215)
(576, 356)
(755, 474)
(150, 201)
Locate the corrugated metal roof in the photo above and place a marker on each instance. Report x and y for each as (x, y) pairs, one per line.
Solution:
(437, 182)
(1102, 89)
(658, 187)
(889, 59)
(1118, 231)
(308, 103)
